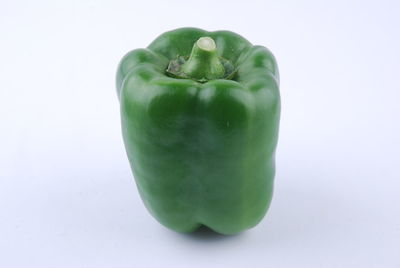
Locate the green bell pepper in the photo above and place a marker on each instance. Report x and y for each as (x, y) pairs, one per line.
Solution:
(200, 117)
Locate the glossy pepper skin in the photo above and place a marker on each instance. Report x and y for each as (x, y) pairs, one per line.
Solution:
(201, 153)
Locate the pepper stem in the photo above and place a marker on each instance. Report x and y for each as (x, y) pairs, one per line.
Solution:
(203, 62)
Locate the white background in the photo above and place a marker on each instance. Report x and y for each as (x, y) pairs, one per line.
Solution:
(67, 196)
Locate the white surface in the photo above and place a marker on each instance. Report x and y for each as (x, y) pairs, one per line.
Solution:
(68, 198)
